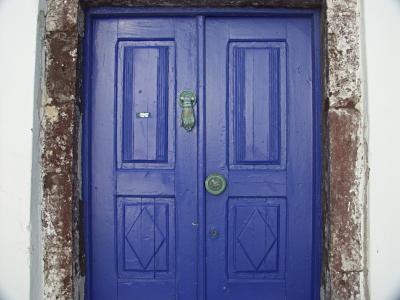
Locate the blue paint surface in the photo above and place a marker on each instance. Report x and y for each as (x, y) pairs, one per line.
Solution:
(151, 229)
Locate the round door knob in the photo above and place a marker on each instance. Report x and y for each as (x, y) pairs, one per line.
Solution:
(215, 184)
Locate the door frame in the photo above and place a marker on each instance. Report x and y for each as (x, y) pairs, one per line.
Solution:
(343, 143)
(105, 13)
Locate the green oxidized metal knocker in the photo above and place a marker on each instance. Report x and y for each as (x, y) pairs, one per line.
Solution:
(187, 100)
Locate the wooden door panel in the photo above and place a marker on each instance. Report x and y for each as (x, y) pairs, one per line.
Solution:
(259, 136)
(144, 194)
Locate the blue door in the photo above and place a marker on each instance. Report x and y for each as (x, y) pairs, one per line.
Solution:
(202, 162)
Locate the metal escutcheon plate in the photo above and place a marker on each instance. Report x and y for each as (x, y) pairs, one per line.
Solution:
(215, 184)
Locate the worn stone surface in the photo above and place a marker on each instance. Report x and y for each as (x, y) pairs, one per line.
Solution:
(343, 30)
(61, 15)
(345, 268)
(61, 66)
(346, 210)
(204, 3)
(58, 137)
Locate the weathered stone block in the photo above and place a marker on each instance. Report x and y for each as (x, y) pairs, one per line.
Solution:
(343, 47)
(204, 3)
(61, 66)
(58, 144)
(57, 234)
(346, 203)
(61, 15)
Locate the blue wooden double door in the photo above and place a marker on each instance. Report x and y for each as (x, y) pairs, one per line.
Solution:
(153, 230)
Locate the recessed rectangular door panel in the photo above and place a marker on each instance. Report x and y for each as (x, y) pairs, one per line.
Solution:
(146, 72)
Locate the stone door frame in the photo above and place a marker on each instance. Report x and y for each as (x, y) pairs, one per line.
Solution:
(345, 168)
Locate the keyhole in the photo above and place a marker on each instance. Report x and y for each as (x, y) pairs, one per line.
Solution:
(213, 233)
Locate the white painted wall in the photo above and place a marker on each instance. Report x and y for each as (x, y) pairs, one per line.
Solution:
(18, 21)
(382, 46)
(18, 24)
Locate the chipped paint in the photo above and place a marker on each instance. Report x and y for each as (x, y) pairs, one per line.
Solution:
(344, 268)
(51, 112)
(59, 119)
(343, 39)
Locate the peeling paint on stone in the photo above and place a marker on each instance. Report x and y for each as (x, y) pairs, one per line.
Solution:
(51, 113)
(347, 209)
(58, 137)
(343, 30)
(345, 268)
(61, 15)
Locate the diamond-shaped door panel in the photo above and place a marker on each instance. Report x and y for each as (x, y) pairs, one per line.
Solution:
(145, 234)
(145, 237)
(256, 237)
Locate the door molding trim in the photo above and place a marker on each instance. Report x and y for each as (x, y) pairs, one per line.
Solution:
(344, 155)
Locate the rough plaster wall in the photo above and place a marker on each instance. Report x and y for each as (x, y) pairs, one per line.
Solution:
(345, 236)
